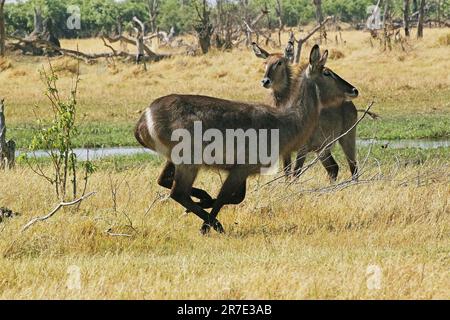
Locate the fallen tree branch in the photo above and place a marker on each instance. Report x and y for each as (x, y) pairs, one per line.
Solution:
(89, 57)
(112, 234)
(57, 208)
(119, 38)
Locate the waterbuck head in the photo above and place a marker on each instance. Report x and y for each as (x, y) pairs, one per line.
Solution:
(331, 89)
(278, 73)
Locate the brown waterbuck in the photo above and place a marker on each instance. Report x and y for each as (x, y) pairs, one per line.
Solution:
(333, 122)
(310, 92)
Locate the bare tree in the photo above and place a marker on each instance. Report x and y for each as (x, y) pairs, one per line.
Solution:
(251, 27)
(140, 34)
(439, 12)
(406, 17)
(415, 6)
(319, 14)
(319, 18)
(7, 148)
(421, 18)
(2, 28)
(301, 41)
(387, 12)
(279, 13)
(38, 22)
(203, 27)
(153, 12)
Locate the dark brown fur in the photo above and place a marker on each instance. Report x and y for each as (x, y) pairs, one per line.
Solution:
(332, 122)
(295, 121)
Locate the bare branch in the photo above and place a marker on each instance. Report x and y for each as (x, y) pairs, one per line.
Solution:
(309, 35)
(57, 208)
(112, 234)
(322, 150)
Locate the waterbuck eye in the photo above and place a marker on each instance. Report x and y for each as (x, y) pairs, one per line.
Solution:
(326, 73)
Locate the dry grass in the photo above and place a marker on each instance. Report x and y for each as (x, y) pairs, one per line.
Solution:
(5, 64)
(444, 40)
(114, 92)
(335, 54)
(278, 244)
(312, 246)
(65, 65)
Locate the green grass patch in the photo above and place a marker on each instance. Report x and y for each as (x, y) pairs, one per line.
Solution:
(406, 127)
(115, 163)
(91, 135)
(106, 134)
(407, 156)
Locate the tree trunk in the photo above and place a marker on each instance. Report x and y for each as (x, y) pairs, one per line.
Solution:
(2, 28)
(439, 13)
(421, 18)
(387, 12)
(38, 22)
(415, 6)
(301, 41)
(279, 13)
(153, 12)
(319, 18)
(7, 149)
(319, 14)
(204, 28)
(204, 38)
(406, 16)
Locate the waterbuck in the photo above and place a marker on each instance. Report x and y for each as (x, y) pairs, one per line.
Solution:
(293, 124)
(332, 122)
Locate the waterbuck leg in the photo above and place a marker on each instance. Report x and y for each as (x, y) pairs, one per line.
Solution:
(287, 166)
(299, 161)
(232, 192)
(348, 144)
(166, 180)
(181, 192)
(330, 165)
(236, 198)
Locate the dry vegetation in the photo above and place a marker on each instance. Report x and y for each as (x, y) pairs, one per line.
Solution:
(279, 243)
(303, 246)
(400, 81)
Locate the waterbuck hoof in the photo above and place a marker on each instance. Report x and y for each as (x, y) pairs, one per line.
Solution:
(206, 227)
(218, 227)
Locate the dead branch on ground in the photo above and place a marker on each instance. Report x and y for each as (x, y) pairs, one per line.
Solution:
(54, 211)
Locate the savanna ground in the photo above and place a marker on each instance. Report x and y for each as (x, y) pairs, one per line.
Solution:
(386, 238)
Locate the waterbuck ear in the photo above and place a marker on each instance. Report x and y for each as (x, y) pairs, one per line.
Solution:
(260, 52)
(314, 57)
(289, 50)
(324, 58)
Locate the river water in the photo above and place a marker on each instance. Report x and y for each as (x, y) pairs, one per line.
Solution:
(99, 153)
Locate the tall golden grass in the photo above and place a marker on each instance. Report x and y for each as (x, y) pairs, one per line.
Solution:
(377, 240)
(278, 243)
(401, 82)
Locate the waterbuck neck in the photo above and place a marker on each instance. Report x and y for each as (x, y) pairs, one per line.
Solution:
(281, 92)
(300, 113)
